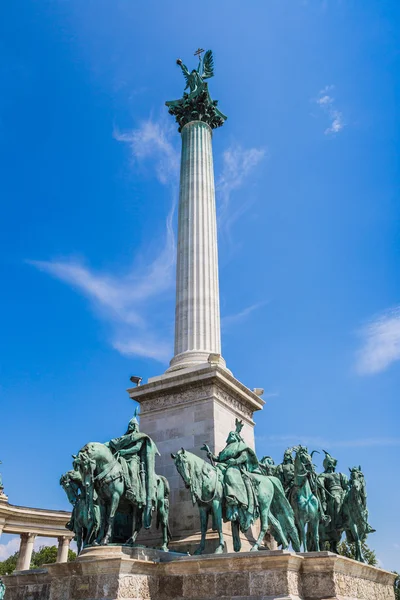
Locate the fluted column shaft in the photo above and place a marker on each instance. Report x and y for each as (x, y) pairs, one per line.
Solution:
(197, 316)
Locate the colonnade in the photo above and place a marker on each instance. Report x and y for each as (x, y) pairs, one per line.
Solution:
(30, 523)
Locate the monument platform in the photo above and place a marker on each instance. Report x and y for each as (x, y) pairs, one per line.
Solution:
(114, 572)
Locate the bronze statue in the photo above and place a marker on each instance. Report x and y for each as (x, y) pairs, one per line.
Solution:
(197, 105)
(121, 489)
(355, 513)
(233, 488)
(333, 491)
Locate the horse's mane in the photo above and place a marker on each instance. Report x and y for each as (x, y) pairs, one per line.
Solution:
(199, 469)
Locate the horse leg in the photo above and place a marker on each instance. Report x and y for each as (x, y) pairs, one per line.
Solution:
(101, 526)
(265, 506)
(112, 509)
(276, 525)
(315, 532)
(357, 543)
(237, 544)
(137, 515)
(303, 537)
(203, 524)
(217, 518)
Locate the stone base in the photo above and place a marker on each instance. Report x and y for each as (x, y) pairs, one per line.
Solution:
(188, 408)
(114, 572)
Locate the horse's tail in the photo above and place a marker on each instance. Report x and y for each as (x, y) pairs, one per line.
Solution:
(283, 512)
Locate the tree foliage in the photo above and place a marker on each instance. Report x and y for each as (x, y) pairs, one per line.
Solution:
(346, 549)
(44, 556)
(397, 586)
(9, 565)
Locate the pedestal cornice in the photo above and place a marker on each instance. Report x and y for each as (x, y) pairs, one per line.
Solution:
(191, 385)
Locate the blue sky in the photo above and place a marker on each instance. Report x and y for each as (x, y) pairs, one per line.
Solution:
(307, 186)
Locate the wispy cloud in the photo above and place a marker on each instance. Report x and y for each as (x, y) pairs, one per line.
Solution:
(321, 442)
(238, 163)
(128, 300)
(381, 343)
(153, 139)
(239, 317)
(327, 104)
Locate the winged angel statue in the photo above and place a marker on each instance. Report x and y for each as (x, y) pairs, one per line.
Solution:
(197, 105)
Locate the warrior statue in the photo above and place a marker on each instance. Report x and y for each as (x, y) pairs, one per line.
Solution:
(285, 471)
(267, 466)
(115, 490)
(355, 512)
(136, 453)
(235, 461)
(2, 589)
(333, 489)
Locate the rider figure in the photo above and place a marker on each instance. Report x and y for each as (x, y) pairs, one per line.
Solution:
(267, 466)
(235, 461)
(333, 490)
(285, 471)
(136, 452)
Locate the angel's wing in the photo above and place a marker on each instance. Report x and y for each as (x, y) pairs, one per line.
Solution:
(208, 65)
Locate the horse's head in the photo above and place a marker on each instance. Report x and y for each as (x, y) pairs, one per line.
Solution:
(183, 466)
(71, 482)
(357, 480)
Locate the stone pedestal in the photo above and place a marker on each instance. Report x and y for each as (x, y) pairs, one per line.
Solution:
(188, 408)
(109, 573)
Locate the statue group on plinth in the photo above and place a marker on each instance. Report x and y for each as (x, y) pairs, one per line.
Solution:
(298, 506)
(115, 491)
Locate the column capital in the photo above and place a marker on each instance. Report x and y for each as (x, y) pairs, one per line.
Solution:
(27, 536)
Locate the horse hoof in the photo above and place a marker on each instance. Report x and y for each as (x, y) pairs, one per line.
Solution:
(198, 551)
(254, 548)
(219, 550)
(164, 549)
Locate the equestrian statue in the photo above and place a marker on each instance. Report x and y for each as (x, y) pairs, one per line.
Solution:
(115, 490)
(232, 487)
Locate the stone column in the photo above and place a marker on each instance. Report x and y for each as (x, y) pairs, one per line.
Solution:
(25, 551)
(197, 316)
(63, 547)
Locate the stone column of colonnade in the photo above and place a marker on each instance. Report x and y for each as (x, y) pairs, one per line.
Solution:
(197, 313)
(63, 547)
(25, 551)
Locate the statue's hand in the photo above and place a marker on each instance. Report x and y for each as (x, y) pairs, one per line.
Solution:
(231, 462)
(178, 61)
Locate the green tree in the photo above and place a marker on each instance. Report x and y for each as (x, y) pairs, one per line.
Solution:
(47, 555)
(346, 549)
(9, 565)
(44, 556)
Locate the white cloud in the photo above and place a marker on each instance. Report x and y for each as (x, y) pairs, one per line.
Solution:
(128, 300)
(381, 343)
(240, 316)
(237, 164)
(153, 140)
(327, 103)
